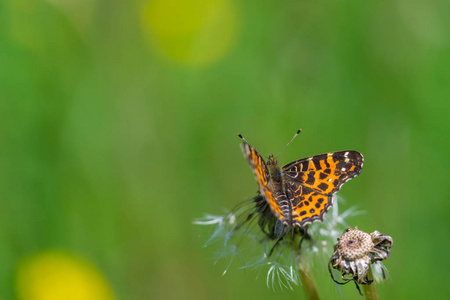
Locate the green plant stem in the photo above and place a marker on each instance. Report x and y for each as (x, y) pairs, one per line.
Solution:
(307, 281)
(370, 290)
(304, 271)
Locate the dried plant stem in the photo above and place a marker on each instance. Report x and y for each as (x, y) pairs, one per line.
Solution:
(370, 290)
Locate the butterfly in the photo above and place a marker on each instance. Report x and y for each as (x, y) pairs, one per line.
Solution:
(301, 192)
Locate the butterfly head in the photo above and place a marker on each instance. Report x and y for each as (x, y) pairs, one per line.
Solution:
(272, 160)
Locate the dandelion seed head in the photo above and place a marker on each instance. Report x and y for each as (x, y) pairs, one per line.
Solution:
(281, 276)
(252, 236)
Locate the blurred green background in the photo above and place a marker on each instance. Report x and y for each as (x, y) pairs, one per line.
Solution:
(118, 124)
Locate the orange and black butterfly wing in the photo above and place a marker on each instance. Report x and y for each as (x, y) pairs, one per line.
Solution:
(310, 183)
(261, 173)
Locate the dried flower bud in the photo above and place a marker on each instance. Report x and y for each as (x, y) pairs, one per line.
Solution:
(354, 253)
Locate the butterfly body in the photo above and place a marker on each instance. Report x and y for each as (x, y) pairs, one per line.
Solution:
(301, 192)
(275, 184)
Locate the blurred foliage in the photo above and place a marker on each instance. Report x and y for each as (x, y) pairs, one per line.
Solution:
(118, 125)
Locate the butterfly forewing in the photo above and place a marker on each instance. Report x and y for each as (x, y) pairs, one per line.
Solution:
(325, 173)
(260, 170)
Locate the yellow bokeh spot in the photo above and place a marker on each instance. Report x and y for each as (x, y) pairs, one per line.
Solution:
(56, 276)
(191, 32)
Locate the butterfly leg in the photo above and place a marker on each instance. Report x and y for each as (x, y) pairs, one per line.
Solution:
(280, 231)
(275, 245)
(304, 235)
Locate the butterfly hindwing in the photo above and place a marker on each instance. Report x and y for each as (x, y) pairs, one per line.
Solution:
(308, 205)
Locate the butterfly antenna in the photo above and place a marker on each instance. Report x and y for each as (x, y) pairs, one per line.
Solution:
(243, 138)
(295, 135)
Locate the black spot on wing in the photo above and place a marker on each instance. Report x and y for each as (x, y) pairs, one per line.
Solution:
(304, 165)
(301, 165)
(311, 178)
(323, 186)
(316, 163)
